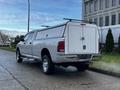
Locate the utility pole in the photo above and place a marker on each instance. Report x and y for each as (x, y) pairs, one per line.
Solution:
(28, 28)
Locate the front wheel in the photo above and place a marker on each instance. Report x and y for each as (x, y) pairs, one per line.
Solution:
(18, 57)
(47, 65)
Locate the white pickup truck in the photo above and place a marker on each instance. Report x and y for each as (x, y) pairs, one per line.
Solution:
(70, 44)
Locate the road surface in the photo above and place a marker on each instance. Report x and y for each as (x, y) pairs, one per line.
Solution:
(28, 76)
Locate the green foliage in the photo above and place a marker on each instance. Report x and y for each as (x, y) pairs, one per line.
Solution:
(109, 44)
(8, 48)
(109, 62)
(13, 44)
(17, 40)
(119, 44)
(4, 45)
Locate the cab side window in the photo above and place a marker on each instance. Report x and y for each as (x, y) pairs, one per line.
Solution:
(29, 36)
(26, 37)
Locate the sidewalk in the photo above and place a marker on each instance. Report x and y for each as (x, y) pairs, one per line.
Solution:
(7, 81)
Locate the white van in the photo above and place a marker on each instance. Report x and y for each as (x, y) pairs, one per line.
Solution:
(72, 43)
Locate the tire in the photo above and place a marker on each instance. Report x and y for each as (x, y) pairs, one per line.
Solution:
(18, 57)
(83, 67)
(47, 65)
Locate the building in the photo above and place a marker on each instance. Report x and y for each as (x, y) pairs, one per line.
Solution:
(104, 13)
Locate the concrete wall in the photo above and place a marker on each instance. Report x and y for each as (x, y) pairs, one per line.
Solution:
(104, 30)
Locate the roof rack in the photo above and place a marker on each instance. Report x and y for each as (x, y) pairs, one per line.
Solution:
(71, 19)
(78, 20)
(45, 26)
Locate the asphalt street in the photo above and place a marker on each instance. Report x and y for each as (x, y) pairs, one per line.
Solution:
(28, 76)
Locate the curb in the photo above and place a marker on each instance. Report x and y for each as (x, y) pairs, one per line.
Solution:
(105, 72)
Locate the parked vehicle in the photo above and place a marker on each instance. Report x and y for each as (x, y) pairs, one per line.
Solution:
(73, 43)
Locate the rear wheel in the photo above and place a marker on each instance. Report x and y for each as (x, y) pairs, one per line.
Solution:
(82, 67)
(18, 57)
(47, 65)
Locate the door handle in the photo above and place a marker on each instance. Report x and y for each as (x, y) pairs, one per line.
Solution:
(82, 38)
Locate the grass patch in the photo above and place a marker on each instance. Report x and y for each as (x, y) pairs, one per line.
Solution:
(109, 58)
(8, 49)
(108, 61)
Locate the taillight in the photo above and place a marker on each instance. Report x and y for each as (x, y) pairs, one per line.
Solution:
(61, 46)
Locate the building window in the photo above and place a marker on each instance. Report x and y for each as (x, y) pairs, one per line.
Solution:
(86, 8)
(113, 19)
(101, 21)
(95, 21)
(114, 2)
(106, 3)
(119, 2)
(119, 18)
(91, 6)
(90, 20)
(101, 4)
(95, 5)
(107, 21)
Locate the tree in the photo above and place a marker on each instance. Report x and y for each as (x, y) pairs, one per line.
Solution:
(22, 37)
(119, 44)
(4, 38)
(17, 40)
(109, 44)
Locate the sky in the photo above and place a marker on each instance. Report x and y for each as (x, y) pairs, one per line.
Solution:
(13, 13)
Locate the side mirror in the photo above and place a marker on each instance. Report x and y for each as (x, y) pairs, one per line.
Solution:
(22, 39)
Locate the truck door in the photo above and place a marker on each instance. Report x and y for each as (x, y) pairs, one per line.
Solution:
(90, 41)
(74, 42)
(27, 45)
(81, 39)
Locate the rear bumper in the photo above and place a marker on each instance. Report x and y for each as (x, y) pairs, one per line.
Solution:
(73, 63)
(74, 58)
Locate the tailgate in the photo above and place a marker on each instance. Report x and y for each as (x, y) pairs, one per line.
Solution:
(81, 39)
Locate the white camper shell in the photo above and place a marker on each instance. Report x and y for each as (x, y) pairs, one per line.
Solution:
(80, 38)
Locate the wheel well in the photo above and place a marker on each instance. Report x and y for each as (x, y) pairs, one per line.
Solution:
(45, 51)
(17, 49)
